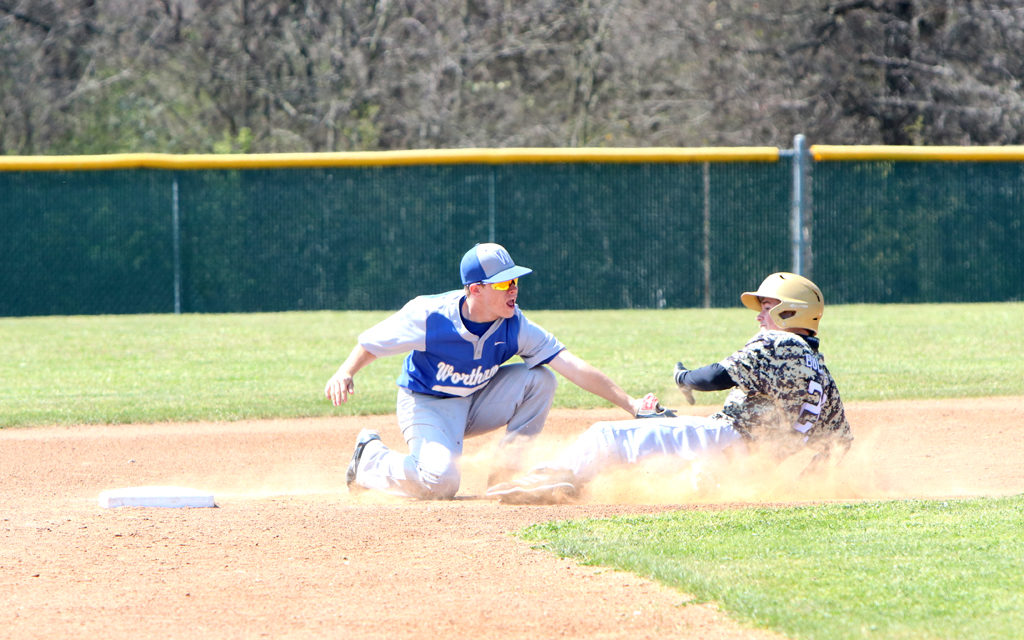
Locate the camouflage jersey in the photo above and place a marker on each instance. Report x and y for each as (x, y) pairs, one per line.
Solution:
(784, 394)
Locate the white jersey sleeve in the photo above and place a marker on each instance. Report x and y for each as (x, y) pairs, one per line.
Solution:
(536, 345)
(401, 332)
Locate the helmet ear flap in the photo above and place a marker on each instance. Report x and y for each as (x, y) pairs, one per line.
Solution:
(781, 314)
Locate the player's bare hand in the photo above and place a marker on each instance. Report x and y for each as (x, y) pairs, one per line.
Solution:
(340, 387)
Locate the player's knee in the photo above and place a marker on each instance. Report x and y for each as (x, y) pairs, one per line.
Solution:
(439, 486)
(437, 474)
(544, 381)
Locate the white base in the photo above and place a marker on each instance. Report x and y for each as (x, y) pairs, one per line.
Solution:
(173, 497)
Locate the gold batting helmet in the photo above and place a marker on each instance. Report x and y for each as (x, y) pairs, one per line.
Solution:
(797, 294)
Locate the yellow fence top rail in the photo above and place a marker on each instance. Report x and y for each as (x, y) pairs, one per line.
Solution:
(386, 158)
(515, 155)
(824, 152)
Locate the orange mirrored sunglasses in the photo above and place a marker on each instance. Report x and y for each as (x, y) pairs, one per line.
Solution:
(505, 286)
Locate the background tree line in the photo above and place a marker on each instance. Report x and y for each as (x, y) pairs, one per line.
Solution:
(102, 76)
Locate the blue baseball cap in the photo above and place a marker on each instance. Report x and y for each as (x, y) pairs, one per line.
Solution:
(488, 262)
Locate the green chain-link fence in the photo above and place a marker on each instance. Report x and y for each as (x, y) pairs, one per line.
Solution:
(678, 228)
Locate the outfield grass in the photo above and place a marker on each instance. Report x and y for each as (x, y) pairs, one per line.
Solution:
(147, 368)
(903, 569)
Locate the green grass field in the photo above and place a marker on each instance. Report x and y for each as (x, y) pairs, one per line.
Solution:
(901, 569)
(877, 570)
(148, 368)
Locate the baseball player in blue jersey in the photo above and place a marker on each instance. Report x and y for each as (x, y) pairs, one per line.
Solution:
(455, 382)
(783, 397)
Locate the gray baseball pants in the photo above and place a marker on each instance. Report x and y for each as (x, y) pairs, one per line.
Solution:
(517, 397)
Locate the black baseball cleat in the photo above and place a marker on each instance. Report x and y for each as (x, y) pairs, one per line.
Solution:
(366, 436)
(544, 486)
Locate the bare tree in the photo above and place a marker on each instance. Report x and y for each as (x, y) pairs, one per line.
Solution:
(912, 72)
(317, 75)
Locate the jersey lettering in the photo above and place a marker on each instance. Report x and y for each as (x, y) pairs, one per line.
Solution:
(811, 360)
(475, 377)
(814, 388)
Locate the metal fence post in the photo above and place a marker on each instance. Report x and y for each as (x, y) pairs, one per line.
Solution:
(491, 206)
(706, 232)
(799, 208)
(176, 243)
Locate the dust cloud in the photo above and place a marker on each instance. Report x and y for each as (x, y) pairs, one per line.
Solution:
(916, 449)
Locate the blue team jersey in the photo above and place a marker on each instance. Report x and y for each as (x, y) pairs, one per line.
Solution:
(444, 357)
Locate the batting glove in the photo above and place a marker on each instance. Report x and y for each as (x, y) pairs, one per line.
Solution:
(678, 374)
(651, 408)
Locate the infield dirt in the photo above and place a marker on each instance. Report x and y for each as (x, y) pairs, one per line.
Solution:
(288, 553)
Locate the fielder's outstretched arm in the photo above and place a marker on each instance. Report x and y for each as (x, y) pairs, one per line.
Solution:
(341, 385)
(589, 378)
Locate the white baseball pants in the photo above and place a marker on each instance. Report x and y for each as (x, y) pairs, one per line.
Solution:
(608, 444)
